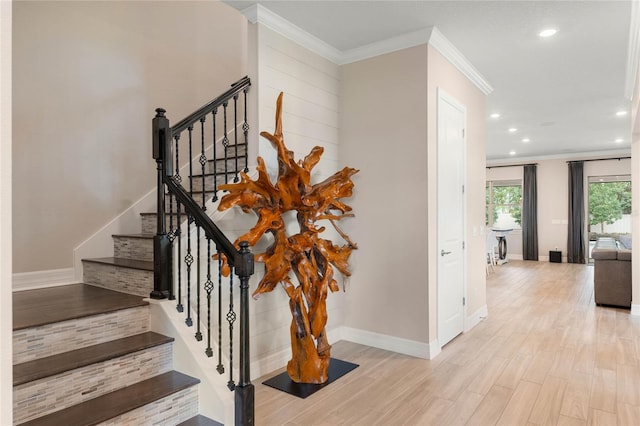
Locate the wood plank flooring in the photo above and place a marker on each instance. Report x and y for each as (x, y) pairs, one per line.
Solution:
(545, 355)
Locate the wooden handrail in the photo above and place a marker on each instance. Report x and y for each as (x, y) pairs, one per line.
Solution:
(236, 88)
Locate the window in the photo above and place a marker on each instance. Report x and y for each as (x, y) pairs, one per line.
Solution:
(504, 204)
(609, 207)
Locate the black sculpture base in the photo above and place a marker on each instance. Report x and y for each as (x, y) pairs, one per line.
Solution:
(283, 382)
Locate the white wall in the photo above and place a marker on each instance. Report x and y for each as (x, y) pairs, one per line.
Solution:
(553, 193)
(87, 78)
(6, 306)
(311, 86)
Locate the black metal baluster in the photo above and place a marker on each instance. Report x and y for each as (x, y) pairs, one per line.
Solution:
(208, 287)
(235, 135)
(203, 162)
(225, 144)
(172, 236)
(190, 129)
(178, 179)
(245, 130)
(215, 158)
(198, 334)
(220, 366)
(189, 257)
(188, 260)
(231, 318)
(179, 306)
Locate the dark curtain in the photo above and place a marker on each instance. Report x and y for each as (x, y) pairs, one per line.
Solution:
(575, 240)
(530, 214)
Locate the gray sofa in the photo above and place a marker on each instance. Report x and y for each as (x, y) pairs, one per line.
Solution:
(612, 272)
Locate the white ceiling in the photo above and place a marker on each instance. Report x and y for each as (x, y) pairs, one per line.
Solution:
(562, 92)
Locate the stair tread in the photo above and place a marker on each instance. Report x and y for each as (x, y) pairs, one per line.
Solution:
(33, 308)
(229, 172)
(166, 213)
(145, 265)
(140, 236)
(56, 364)
(200, 420)
(113, 404)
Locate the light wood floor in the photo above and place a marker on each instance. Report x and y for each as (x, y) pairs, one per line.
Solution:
(544, 355)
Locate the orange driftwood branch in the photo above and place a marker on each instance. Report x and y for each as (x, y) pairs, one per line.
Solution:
(308, 257)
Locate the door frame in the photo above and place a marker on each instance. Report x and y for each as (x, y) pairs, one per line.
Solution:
(443, 96)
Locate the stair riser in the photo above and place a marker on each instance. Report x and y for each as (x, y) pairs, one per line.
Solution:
(219, 165)
(52, 339)
(170, 410)
(149, 223)
(133, 248)
(127, 280)
(197, 182)
(197, 196)
(44, 396)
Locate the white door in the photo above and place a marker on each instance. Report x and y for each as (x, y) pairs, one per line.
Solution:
(451, 217)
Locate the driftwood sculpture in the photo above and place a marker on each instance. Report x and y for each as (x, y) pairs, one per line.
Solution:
(310, 258)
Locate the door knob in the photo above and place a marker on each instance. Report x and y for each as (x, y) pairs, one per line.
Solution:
(442, 252)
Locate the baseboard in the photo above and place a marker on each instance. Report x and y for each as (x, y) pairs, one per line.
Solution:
(635, 310)
(42, 279)
(475, 318)
(391, 343)
(270, 363)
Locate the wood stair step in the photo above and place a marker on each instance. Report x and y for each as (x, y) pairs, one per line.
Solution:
(34, 308)
(135, 236)
(55, 364)
(113, 404)
(200, 420)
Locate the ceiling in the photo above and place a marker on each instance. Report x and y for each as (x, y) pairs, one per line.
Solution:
(562, 92)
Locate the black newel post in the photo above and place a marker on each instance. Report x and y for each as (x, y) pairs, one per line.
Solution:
(244, 391)
(162, 258)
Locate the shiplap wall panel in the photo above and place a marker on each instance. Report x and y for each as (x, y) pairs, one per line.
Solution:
(311, 86)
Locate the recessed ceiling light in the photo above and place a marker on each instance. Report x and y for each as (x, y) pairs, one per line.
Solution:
(513, 130)
(621, 113)
(495, 115)
(525, 140)
(512, 153)
(619, 140)
(548, 32)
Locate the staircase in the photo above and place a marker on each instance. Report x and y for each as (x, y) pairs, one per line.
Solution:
(84, 354)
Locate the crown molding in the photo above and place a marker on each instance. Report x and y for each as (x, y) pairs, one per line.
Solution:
(573, 156)
(633, 54)
(453, 55)
(260, 14)
(403, 41)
